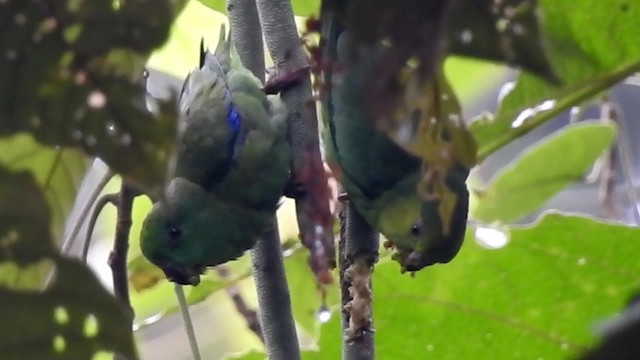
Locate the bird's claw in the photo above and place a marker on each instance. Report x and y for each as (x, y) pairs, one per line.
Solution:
(343, 197)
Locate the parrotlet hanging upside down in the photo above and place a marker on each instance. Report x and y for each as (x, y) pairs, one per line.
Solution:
(231, 167)
(379, 176)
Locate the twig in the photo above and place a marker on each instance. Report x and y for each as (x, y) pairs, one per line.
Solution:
(100, 204)
(70, 240)
(358, 253)
(273, 297)
(276, 318)
(610, 111)
(188, 324)
(118, 256)
(250, 315)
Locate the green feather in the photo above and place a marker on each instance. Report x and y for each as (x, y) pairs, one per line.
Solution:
(380, 177)
(192, 229)
(227, 179)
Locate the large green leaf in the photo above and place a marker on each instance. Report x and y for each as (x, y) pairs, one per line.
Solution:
(71, 74)
(579, 43)
(541, 171)
(25, 236)
(58, 171)
(536, 298)
(506, 31)
(160, 300)
(73, 317)
(252, 355)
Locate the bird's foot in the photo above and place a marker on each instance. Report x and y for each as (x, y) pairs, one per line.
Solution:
(277, 83)
(294, 190)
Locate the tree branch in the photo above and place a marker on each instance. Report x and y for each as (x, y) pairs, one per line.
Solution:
(266, 257)
(610, 111)
(313, 211)
(273, 297)
(358, 253)
(246, 35)
(118, 256)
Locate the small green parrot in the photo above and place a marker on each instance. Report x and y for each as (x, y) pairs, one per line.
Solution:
(378, 175)
(229, 172)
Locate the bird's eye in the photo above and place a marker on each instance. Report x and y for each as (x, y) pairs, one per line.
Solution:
(415, 230)
(174, 236)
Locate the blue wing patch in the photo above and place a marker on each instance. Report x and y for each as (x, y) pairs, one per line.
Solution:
(234, 120)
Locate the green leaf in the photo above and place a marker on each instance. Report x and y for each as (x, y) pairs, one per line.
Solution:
(580, 49)
(537, 297)
(506, 31)
(541, 171)
(72, 76)
(306, 299)
(159, 300)
(24, 219)
(73, 319)
(300, 7)
(50, 323)
(470, 78)
(142, 274)
(252, 355)
(306, 7)
(330, 343)
(58, 172)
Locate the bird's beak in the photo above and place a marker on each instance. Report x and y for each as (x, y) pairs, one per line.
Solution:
(183, 275)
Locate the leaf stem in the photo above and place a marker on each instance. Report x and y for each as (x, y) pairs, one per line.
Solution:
(574, 96)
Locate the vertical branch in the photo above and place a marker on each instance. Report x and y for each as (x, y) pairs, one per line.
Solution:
(611, 112)
(276, 318)
(273, 297)
(118, 256)
(313, 212)
(358, 253)
(246, 35)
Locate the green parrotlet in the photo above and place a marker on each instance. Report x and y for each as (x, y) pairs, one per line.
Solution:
(229, 172)
(381, 177)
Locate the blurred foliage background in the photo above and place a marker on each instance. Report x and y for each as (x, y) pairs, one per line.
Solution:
(527, 284)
